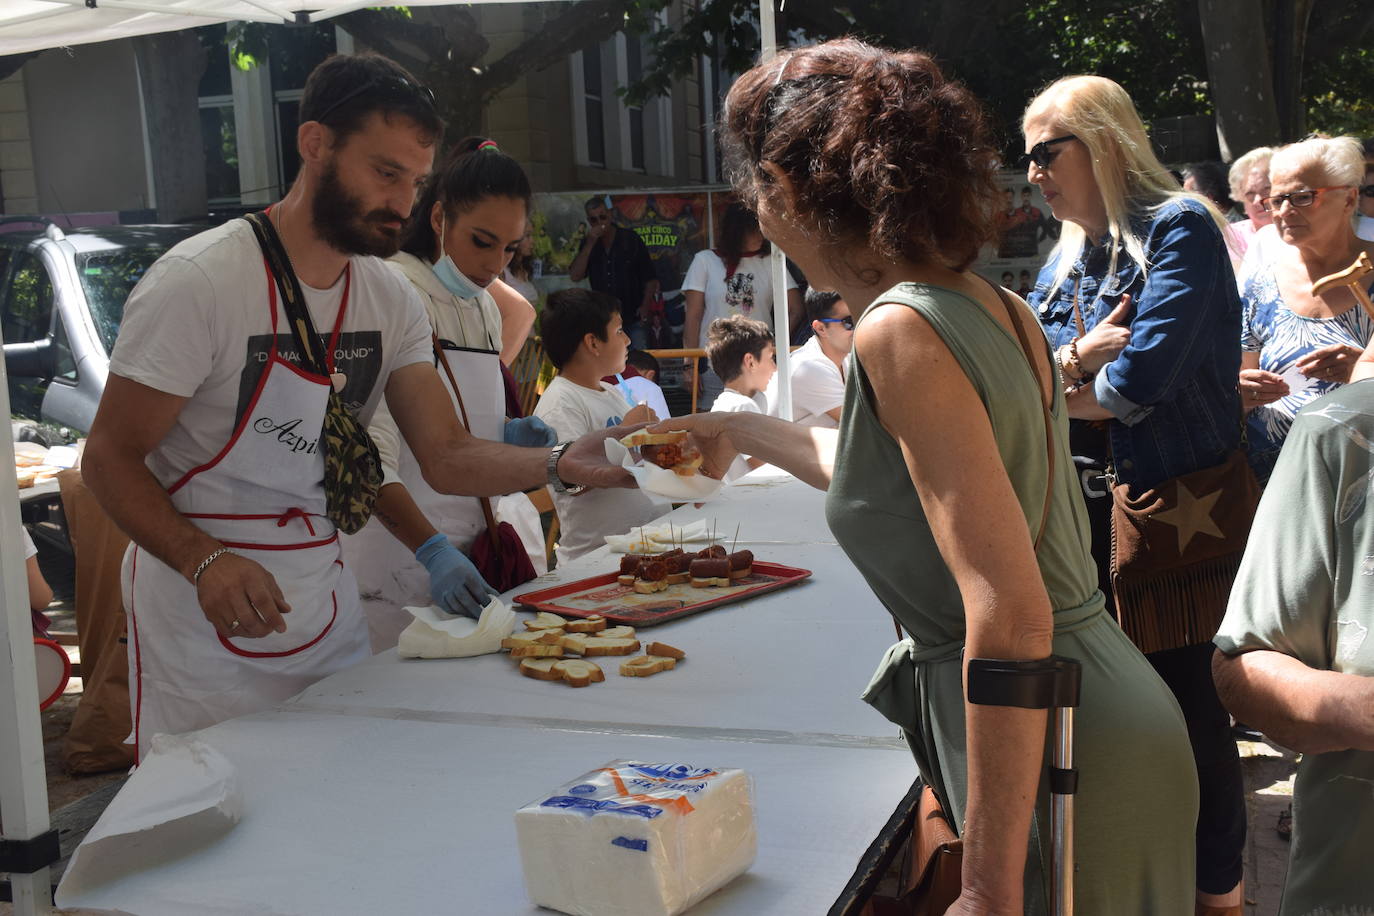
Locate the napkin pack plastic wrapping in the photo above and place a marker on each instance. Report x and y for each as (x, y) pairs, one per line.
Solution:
(637, 839)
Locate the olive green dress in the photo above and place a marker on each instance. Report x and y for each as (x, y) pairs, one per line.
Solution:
(1137, 801)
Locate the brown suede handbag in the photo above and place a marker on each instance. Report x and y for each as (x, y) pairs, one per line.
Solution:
(1175, 552)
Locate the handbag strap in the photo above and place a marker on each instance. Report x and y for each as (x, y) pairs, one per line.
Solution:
(1028, 352)
(490, 516)
(311, 345)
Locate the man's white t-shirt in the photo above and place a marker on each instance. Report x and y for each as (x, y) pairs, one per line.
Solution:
(198, 326)
(748, 291)
(585, 519)
(817, 386)
(1364, 228)
(731, 401)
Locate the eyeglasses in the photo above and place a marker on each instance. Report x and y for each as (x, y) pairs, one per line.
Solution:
(1041, 154)
(1367, 191)
(1301, 198)
(848, 322)
(394, 85)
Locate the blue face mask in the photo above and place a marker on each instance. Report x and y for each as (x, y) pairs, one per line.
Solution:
(454, 280)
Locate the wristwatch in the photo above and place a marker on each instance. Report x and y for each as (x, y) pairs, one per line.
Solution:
(554, 480)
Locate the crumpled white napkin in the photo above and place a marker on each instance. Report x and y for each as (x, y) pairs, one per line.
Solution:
(661, 481)
(435, 633)
(183, 794)
(657, 538)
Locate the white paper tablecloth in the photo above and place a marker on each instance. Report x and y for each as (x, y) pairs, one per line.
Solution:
(391, 787)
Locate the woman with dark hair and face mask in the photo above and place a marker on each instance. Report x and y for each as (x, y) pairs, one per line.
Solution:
(734, 278)
(950, 482)
(464, 230)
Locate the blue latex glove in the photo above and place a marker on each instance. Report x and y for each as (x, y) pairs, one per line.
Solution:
(454, 583)
(530, 432)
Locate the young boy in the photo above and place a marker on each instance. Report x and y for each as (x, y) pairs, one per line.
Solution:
(584, 340)
(644, 387)
(742, 353)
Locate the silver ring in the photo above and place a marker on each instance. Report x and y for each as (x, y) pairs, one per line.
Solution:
(234, 626)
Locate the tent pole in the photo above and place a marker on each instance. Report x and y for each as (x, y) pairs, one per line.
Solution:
(781, 328)
(23, 778)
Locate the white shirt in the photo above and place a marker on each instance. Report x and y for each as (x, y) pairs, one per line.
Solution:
(473, 323)
(1364, 228)
(585, 520)
(197, 326)
(731, 401)
(1264, 248)
(817, 386)
(748, 292)
(643, 391)
(30, 549)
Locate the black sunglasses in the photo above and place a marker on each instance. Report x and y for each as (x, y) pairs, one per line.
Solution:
(394, 86)
(1041, 154)
(1367, 191)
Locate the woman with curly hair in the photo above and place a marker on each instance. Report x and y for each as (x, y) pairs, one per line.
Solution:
(951, 485)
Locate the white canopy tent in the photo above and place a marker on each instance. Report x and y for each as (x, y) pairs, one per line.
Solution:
(35, 25)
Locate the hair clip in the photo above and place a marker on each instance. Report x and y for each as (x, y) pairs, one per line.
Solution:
(488, 144)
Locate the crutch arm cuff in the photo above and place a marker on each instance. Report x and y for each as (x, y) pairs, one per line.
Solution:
(1042, 683)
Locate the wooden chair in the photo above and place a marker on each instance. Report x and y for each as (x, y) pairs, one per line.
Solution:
(543, 503)
(532, 371)
(694, 355)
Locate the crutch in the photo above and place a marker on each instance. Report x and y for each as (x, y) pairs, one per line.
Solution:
(1353, 277)
(1052, 683)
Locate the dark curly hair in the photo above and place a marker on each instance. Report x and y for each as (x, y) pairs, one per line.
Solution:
(882, 149)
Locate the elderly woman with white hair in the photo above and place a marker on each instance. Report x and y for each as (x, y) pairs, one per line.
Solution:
(1140, 302)
(1249, 180)
(1297, 346)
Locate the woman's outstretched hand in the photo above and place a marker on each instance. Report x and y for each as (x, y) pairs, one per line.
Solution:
(709, 433)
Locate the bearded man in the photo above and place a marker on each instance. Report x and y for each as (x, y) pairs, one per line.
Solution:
(207, 447)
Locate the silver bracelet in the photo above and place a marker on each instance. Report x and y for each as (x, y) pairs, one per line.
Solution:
(205, 564)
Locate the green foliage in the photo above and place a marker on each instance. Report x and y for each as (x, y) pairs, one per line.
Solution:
(1340, 93)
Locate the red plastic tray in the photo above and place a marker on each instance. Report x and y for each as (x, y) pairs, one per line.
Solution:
(622, 604)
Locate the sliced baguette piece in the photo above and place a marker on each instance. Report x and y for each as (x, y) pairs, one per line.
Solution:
(579, 672)
(541, 669)
(664, 650)
(709, 583)
(627, 580)
(599, 645)
(580, 644)
(546, 621)
(538, 651)
(643, 437)
(677, 578)
(645, 587)
(646, 665)
(521, 640)
(621, 632)
(592, 624)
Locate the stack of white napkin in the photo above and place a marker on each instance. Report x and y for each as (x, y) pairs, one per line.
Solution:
(435, 633)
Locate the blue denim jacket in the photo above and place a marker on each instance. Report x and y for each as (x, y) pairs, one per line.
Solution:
(1172, 390)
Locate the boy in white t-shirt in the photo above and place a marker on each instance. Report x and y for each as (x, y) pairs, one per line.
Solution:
(585, 341)
(743, 354)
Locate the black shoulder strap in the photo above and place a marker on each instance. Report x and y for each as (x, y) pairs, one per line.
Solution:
(311, 345)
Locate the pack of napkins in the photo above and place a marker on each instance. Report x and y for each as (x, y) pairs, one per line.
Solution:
(637, 839)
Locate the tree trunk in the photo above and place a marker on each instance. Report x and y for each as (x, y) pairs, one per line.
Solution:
(169, 67)
(1239, 75)
(1291, 18)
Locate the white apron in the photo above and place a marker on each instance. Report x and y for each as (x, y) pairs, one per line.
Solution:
(263, 497)
(389, 576)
